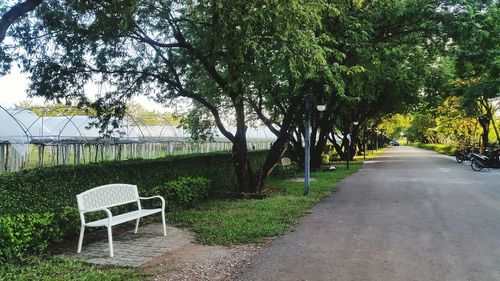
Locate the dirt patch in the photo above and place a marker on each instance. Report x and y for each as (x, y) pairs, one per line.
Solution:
(200, 262)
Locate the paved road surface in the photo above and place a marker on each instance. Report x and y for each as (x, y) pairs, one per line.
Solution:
(409, 214)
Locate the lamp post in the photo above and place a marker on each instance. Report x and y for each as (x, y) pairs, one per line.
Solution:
(307, 144)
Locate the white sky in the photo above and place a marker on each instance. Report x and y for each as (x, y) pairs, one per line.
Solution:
(13, 90)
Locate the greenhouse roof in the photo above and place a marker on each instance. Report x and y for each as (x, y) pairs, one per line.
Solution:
(19, 127)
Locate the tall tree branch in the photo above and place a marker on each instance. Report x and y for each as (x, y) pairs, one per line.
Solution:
(215, 113)
(14, 13)
(209, 67)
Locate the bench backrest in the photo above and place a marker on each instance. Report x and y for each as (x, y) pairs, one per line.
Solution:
(106, 196)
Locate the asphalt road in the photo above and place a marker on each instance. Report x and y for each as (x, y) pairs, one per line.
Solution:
(409, 214)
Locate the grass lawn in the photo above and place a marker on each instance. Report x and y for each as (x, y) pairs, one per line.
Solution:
(58, 269)
(217, 222)
(441, 148)
(227, 222)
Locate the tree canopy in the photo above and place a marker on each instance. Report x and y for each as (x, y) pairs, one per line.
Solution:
(244, 61)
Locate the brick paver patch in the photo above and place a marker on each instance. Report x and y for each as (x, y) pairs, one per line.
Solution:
(135, 249)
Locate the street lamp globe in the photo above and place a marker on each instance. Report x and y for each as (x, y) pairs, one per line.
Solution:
(355, 123)
(321, 107)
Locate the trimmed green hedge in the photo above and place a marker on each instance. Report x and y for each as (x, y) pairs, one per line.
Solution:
(285, 172)
(50, 189)
(38, 207)
(25, 233)
(182, 193)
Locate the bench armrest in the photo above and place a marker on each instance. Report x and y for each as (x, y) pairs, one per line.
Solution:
(108, 212)
(153, 197)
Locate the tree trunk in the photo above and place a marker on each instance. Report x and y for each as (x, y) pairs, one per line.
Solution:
(242, 167)
(342, 149)
(318, 150)
(325, 124)
(273, 157)
(297, 149)
(496, 130)
(490, 114)
(277, 149)
(241, 161)
(485, 125)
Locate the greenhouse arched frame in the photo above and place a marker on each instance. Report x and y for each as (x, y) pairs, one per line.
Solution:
(28, 140)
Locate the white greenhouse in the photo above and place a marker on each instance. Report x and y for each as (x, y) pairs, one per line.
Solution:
(29, 141)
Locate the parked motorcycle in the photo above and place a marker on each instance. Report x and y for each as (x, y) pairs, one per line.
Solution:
(479, 161)
(463, 155)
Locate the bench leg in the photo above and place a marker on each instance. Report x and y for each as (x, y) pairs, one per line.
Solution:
(80, 241)
(110, 241)
(136, 225)
(163, 221)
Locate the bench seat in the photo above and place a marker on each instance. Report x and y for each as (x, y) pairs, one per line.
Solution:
(102, 198)
(119, 219)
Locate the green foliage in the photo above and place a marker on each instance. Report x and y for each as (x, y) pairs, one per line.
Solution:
(218, 54)
(475, 49)
(183, 193)
(325, 159)
(142, 116)
(285, 172)
(31, 233)
(51, 189)
(395, 125)
(199, 123)
(475, 46)
(441, 148)
(422, 128)
(453, 125)
(23, 233)
(383, 51)
(38, 207)
(59, 269)
(55, 109)
(448, 123)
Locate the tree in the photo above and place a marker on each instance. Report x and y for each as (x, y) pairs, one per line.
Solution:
(211, 52)
(395, 125)
(9, 15)
(422, 129)
(53, 110)
(475, 45)
(385, 49)
(453, 125)
(142, 116)
(14, 13)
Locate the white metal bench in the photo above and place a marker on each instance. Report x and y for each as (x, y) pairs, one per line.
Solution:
(104, 197)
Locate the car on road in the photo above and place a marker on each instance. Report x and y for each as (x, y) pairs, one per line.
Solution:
(394, 143)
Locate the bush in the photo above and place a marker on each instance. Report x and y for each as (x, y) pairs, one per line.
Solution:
(285, 172)
(325, 159)
(38, 207)
(52, 189)
(441, 148)
(183, 193)
(25, 233)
